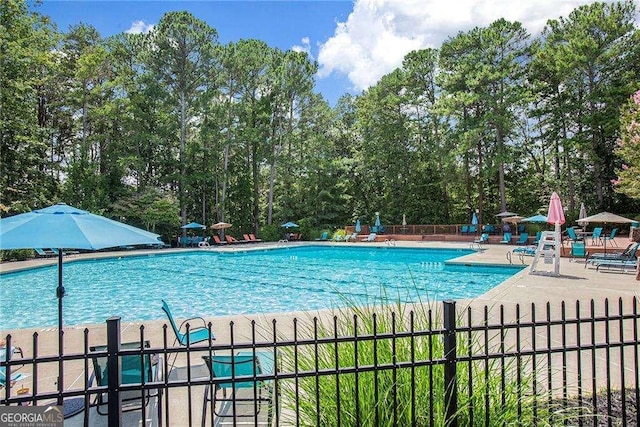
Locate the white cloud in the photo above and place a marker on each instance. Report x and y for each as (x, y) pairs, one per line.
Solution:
(379, 33)
(138, 27)
(305, 47)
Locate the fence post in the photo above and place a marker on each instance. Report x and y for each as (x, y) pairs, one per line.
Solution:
(113, 369)
(450, 355)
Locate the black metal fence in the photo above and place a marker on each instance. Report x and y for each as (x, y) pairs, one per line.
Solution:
(396, 365)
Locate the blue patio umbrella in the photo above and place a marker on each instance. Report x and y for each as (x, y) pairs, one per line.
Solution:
(377, 224)
(65, 227)
(358, 226)
(194, 225)
(289, 224)
(536, 218)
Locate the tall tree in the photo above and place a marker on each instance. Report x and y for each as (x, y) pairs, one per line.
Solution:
(181, 54)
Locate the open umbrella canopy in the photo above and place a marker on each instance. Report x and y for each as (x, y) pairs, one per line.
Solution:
(65, 227)
(513, 219)
(506, 214)
(536, 218)
(289, 224)
(194, 225)
(607, 218)
(221, 225)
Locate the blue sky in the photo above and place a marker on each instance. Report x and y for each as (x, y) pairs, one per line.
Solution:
(355, 42)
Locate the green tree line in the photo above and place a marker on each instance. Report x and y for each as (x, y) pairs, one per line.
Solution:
(168, 127)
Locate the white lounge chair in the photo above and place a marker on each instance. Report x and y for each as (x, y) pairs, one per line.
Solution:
(370, 238)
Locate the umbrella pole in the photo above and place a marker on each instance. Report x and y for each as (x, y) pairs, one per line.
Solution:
(60, 294)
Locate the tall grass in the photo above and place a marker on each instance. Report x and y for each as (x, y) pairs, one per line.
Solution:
(397, 392)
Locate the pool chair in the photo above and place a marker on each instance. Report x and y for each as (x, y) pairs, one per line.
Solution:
(4, 357)
(596, 237)
(217, 241)
(253, 238)
(44, 253)
(537, 239)
(235, 392)
(464, 229)
(191, 336)
(611, 237)
(324, 236)
(135, 368)
(506, 238)
(525, 250)
(615, 264)
(473, 229)
(484, 238)
(523, 239)
(629, 254)
(370, 238)
(579, 250)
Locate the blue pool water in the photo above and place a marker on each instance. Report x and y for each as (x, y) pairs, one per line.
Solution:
(215, 284)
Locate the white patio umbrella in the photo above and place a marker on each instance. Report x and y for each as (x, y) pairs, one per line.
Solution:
(606, 218)
(582, 216)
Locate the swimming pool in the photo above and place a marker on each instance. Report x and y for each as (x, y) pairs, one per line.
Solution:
(207, 283)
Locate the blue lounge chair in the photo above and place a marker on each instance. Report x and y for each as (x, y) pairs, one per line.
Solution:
(579, 250)
(325, 236)
(506, 238)
(484, 238)
(614, 264)
(464, 229)
(139, 368)
(629, 254)
(611, 237)
(525, 250)
(523, 239)
(473, 229)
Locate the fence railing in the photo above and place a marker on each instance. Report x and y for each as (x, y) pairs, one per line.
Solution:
(398, 365)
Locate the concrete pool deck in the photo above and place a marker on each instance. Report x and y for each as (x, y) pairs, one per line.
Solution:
(575, 283)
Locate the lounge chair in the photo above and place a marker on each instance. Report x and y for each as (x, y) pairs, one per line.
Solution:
(44, 253)
(253, 238)
(191, 336)
(579, 250)
(622, 265)
(523, 239)
(370, 238)
(217, 240)
(529, 250)
(232, 240)
(239, 372)
(506, 238)
(629, 254)
(484, 238)
(349, 237)
(324, 236)
(464, 229)
(473, 229)
(140, 368)
(611, 237)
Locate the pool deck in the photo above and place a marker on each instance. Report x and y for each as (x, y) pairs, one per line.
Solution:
(575, 283)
